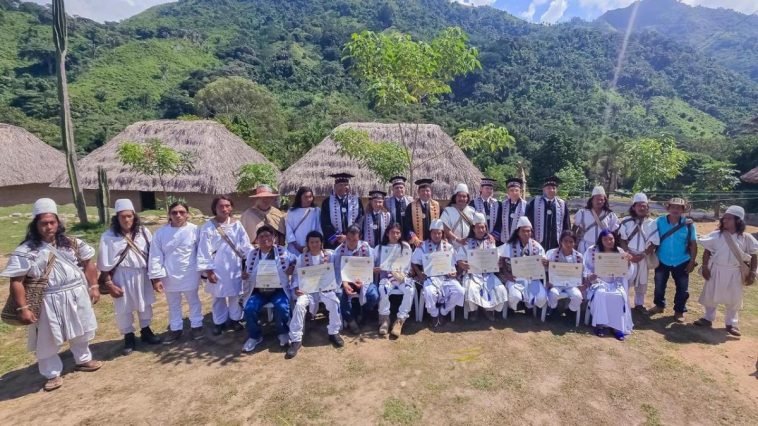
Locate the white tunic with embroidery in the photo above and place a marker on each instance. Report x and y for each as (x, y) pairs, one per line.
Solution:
(214, 253)
(428, 247)
(173, 257)
(485, 290)
(585, 220)
(453, 220)
(131, 273)
(725, 285)
(299, 222)
(533, 288)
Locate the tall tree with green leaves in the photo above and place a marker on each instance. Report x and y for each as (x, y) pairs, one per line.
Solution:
(60, 38)
(656, 162)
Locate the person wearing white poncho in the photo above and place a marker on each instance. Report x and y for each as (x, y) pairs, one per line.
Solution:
(122, 258)
(222, 248)
(302, 218)
(532, 293)
(636, 237)
(595, 217)
(482, 290)
(457, 216)
(729, 262)
(66, 313)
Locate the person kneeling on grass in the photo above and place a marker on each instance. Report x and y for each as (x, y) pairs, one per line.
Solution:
(394, 282)
(368, 295)
(268, 257)
(315, 254)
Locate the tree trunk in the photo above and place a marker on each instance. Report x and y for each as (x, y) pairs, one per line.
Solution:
(103, 196)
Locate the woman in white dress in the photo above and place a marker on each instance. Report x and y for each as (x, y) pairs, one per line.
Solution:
(394, 282)
(122, 258)
(608, 296)
(565, 254)
(457, 216)
(482, 290)
(595, 217)
(725, 273)
(302, 218)
(66, 313)
(520, 244)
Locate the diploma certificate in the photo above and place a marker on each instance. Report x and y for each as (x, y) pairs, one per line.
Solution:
(528, 267)
(395, 259)
(564, 274)
(611, 265)
(313, 279)
(483, 261)
(438, 264)
(267, 275)
(354, 269)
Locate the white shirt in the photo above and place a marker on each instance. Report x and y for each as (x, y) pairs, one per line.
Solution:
(173, 257)
(312, 222)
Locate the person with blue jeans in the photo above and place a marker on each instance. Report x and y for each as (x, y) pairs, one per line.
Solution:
(367, 294)
(270, 257)
(676, 240)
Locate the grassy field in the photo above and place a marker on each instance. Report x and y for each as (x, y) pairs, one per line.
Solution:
(513, 371)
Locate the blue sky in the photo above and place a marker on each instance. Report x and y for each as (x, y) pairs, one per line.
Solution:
(549, 11)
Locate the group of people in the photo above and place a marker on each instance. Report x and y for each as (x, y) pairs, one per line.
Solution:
(415, 249)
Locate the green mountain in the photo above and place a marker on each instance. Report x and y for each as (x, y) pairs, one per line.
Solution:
(548, 85)
(731, 38)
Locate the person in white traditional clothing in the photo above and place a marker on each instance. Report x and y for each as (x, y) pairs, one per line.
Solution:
(729, 262)
(122, 261)
(66, 313)
(264, 212)
(339, 210)
(398, 202)
(420, 214)
(376, 218)
(441, 293)
(172, 267)
(607, 296)
(302, 218)
(395, 282)
(564, 254)
(595, 217)
(314, 255)
(635, 233)
(284, 263)
(482, 290)
(222, 250)
(489, 206)
(367, 293)
(531, 293)
(549, 214)
(457, 216)
(512, 208)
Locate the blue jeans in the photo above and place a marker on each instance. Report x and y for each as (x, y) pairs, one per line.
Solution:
(681, 280)
(281, 312)
(346, 305)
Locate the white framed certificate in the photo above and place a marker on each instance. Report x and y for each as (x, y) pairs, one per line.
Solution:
(483, 261)
(563, 274)
(354, 269)
(611, 264)
(395, 259)
(528, 267)
(316, 278)
(438, 264)
(267, 275)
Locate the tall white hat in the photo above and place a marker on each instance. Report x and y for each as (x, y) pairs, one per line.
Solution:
(461, 187)
(736, 211)
(123, 204)
(437, 224)
(598, 190)
(639, 198)
(523, 221)
(44, 205)
(478, 218)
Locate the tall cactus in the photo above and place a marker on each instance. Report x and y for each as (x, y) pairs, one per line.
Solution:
(103, 196)
(60, 38)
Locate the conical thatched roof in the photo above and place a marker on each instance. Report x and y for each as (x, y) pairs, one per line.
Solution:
(25, 159)
(218, 154)
(447, 169)
(751, 176)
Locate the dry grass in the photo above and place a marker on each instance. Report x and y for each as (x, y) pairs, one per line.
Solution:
(25, 159)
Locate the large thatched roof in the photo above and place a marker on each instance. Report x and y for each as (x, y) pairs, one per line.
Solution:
(218, 154)
(751, 176)
(25, 159)
(449, 167)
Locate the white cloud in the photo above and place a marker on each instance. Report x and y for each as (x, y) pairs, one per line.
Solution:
(528, 14)
(475, 3)
(106, 10)
(604, 5)
(745, 6)
(555, 11)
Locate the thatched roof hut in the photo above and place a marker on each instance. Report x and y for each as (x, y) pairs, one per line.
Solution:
(751, 176)
(447, 164)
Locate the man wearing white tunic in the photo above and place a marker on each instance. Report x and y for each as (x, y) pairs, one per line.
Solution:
(398, 202)
(607, 297)
(441, 293)
(457, 216)
(339, 211)
(595, 217)
(549, 214)
(729, 262)
(173, 270)
(635, 232)
(314, 255)
(532, 293)
(367, 293)
(564, 254)
(221, 252)
(302, 219)
(66, 313)
(512, 208)
(489, 206)
(395, 281)
(123, 259)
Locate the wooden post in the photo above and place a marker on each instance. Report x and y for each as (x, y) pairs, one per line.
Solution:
(103, 196)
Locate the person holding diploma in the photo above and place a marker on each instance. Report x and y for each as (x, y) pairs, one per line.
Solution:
(441, 293)
(314, 255)
(532, 293)
(394, 282)
(565, 254)
(482, 290)
(368, 295)
(607, 297)
(260, 296)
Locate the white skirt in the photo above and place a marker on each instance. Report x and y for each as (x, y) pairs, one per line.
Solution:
(138, 290)
(485, 290)
(65, 314)
(609, 306)
(724, 287)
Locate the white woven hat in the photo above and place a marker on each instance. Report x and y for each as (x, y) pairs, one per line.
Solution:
(461, 187)
(736, 211)
(598, 190)
(437, 224)
(44, 205)
(478, 218)
(639, 198)
(523, 221)
(123, 204)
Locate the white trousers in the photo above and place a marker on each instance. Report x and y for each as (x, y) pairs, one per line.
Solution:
(450, 294)
(387, 289)
(52, 366)
(310, 301)
(730, 317)
(226, 308)
(639, 281)
(125, 320)
(532, 294)
(572, 293)
(175, 318)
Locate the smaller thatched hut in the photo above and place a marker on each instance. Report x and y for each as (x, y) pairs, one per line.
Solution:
(217, 152)
(751, 176)
(27, 166)
(436, 157)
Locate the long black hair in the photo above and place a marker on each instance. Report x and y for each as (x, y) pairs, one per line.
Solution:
(116, 226)
(739, 225)
(599, 241)
(34, 238)
(606, 207)
(298, 203)
(514, 235)
(215, 202)
(472, 234)
(453, 199)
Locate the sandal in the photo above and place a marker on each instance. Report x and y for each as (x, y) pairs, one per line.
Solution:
(53, 384)
(89, 366)
(599, 331)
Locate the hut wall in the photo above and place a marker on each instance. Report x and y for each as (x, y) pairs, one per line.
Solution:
(28, 194)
